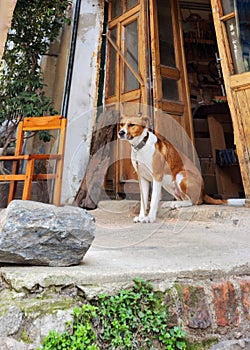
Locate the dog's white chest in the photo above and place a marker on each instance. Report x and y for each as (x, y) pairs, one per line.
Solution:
(143, 158)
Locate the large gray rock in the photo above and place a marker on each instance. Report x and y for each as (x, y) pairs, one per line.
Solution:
(43, 234)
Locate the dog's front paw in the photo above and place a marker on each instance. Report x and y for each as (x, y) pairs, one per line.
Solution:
(144, 219)
(149, 219)
(138, 219)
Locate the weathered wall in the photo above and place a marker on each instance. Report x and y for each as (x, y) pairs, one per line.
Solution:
(208, 310)
(6, 11)
(54, 64)
(83, 97)
(83, 91)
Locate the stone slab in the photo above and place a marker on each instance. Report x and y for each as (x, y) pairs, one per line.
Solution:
(171, 248)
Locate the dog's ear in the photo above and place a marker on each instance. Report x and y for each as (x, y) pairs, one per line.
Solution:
(145, 121)
(122, 119)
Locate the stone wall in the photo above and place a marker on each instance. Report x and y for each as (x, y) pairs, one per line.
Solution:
(213, 309)
(208, 310)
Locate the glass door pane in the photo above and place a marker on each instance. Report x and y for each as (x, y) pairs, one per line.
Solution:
(116, 8)
(244, 24)
(131, 3)
(112, 66)
(166, 35)
(170, 89)
(228, 6)
(131, 55)
(236, 15)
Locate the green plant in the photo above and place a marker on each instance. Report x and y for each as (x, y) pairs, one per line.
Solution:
(131, 319)
(80, 334)
(35, 25)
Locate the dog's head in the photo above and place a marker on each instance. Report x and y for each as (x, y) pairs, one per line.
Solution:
(132, 126)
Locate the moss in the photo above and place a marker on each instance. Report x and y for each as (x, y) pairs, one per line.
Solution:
(205, 344)
(34, 306)
(37, 307)
(209, 342)
(25, 337)
(179, 289)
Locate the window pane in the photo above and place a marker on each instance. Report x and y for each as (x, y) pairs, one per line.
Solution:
(131, 55)
(244, 23)
(238, 31)
(116, 8)
(239, 46)
(131, 3)
(170, 89)
(112, 65)
(166, 36)
(228, 6)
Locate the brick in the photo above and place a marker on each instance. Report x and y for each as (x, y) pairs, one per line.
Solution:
(172, 309)
(195, 307)
(225, 302)
(245, 296)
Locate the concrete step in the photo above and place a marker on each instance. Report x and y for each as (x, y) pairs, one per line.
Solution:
(221, 213)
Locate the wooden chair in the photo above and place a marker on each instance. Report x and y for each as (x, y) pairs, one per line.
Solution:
(32, 125)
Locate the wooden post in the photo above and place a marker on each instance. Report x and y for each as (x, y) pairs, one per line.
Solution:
(90, 189)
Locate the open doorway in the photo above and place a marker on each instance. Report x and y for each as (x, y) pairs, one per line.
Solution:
(213, 130)
(163, 54)
(187, 64)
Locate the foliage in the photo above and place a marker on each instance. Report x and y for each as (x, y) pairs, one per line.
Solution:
(132, 319)
(35, 25)
(81, 334)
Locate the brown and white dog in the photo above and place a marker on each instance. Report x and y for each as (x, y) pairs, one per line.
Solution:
(158, 162)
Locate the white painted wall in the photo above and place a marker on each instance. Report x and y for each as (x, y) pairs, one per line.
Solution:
(83, 97)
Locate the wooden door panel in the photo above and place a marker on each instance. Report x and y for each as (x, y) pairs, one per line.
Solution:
(170, 85)
(241, 97)
(127, 74)
(235, 68)
(150, 68)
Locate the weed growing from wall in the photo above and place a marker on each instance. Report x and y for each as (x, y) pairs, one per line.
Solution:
(131, 319)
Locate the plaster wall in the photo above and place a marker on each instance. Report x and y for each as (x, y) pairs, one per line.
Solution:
(83, 97)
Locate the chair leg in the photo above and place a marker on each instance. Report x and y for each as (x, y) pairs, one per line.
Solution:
(58, 184)
(28, 179)
(13, 183)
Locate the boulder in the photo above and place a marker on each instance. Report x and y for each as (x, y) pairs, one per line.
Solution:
(43, 234)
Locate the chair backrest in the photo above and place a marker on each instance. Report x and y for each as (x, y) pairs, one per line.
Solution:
(47, 123)
(55, 122)
(28, 159)
(42, 123)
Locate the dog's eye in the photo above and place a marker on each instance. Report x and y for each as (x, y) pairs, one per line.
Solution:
(131, 125)
(122, 125)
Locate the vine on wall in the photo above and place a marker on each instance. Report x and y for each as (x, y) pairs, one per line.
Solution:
(35, 25)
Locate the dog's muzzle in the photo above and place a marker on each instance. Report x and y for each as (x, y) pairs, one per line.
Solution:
(122, 134)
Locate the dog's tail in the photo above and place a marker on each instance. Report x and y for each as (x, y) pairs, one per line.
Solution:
(239, 202)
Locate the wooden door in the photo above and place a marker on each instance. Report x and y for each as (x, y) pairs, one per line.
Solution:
(126, 77)
(146, 72)
(171, 99)
(232, 23)
(126, 56)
